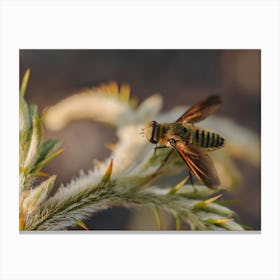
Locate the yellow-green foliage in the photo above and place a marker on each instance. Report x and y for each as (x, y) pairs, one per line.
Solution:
(126, 178)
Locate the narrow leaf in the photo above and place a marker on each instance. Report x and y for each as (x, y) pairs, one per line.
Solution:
(42, 163)
(219, 221)
(219, 209)
(42, 174)
(24, 120)
(82, 225)
(228, 202)
(204, 203)
(108, 173)
(47, 147)
(21, 221)
(38, 195)
(35, 142)
(158, 219)
(24, 82)
(45, 113)
(231, 225)
(178, 186)
(178, 222)
(53, 155)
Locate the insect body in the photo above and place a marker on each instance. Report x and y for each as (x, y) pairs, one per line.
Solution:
(190, 142)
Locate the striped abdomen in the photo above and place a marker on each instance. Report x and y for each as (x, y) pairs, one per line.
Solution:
(207, 139)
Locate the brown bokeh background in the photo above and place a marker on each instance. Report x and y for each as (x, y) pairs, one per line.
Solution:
(180, 76)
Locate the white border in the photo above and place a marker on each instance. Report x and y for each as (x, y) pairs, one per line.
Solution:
(155, 24)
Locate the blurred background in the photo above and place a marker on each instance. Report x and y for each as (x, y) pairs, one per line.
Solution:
(182, 77)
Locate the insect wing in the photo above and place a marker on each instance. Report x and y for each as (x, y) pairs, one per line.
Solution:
(201, 110)
(198, 163)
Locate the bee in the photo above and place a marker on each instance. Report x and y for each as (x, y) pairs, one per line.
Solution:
(189, 141)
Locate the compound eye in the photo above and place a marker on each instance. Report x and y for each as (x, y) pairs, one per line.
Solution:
(152, 132)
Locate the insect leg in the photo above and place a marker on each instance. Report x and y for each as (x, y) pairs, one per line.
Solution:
(164, 162)
(158, 147)
(191, 180)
